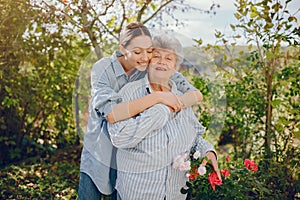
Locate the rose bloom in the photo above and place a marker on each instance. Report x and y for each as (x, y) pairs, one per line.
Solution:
(185, 166)
(250, 165)
(180, 159)
(227, 159)
(196, 154)
(193, 174)
(202, 170)
(214, 180)
(225, 172)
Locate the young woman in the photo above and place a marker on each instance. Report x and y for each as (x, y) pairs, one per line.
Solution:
(108, 76)
(149, 142)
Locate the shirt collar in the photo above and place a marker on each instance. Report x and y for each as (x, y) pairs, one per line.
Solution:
(149, 89)
(118, 68)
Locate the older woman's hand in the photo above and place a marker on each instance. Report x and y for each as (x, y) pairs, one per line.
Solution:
(213, 158)
(171, 100)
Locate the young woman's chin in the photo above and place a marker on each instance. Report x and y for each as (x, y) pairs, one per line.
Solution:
(141, 67)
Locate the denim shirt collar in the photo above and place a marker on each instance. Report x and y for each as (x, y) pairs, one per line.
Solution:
(118, 68)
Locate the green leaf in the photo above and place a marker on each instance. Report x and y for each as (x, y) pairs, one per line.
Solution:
(276, 102)
(292, 19)
(253, 12)
(183, 191)
(153, 6)
(188, 184)
(276, 7)
(8, 89)
(199, 41)
(237, 16)
(232, 27)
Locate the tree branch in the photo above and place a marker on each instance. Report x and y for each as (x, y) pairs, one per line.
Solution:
(101, 14)
(141, 12)
(157, 11)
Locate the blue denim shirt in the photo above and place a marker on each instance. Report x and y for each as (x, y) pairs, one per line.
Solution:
(107, 78)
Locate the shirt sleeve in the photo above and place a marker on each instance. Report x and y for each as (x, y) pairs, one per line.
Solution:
(103, 83)
(128, 133)
(182, 84)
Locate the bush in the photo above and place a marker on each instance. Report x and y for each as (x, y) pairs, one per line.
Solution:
(55, 177)
(240, 180)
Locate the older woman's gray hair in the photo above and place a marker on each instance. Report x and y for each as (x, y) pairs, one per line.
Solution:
(168, 42)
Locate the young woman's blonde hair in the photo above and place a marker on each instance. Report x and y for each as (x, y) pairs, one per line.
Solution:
(132, 31)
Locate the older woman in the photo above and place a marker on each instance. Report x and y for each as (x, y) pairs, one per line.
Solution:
(149, 142)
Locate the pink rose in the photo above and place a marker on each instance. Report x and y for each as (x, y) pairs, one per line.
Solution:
(225, 172)
(214, 180)
(185, 166)
(250, 165)
(179, 160)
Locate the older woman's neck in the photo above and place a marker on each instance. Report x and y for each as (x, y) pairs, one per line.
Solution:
(159, 85)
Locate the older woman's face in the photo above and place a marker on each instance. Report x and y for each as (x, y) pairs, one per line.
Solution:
(163, 63)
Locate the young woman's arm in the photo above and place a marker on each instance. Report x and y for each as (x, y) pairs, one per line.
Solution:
(131, 108)
(191, 95)
(128, 133)
(190, 98)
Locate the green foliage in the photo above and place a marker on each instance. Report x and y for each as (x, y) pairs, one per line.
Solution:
(239, 183)
(36, 93)
(273, 182)
(43, 178)
(211, 112)
(262, 93)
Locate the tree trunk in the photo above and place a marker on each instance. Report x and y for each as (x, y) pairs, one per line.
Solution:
(268, 126)
(77, 119)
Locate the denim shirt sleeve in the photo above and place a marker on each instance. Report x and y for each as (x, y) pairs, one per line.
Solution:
(104, 85)
(128, 133)
(182, 84)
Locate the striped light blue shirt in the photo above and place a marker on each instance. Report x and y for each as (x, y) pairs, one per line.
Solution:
(107, 78)
(149, 142)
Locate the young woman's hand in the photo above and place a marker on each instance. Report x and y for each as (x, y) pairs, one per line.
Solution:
(171, 100)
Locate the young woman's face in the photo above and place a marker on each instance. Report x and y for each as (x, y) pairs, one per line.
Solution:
(139, 52)
(163, 63)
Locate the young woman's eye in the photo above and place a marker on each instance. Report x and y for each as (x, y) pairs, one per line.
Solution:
(137, 52)
(150, 51)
